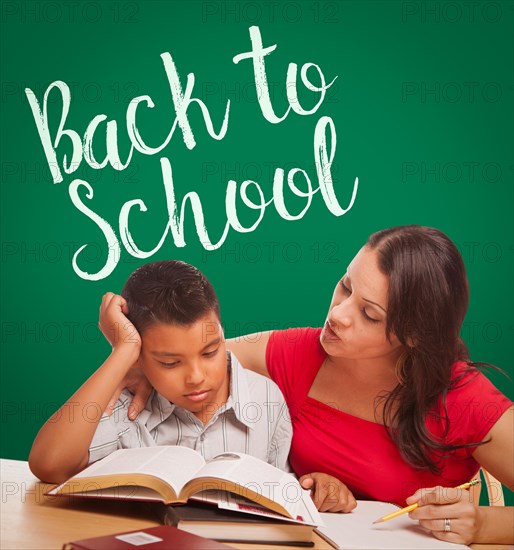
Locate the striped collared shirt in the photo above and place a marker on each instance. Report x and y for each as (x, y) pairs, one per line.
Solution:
(254, 420)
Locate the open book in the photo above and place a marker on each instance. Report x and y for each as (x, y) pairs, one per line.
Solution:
(172, 474)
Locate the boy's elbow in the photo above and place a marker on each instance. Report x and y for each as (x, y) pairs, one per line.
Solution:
(44, 475)
(50, 469)
(42, 468)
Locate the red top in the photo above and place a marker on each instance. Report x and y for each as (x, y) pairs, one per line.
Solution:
(359, 452)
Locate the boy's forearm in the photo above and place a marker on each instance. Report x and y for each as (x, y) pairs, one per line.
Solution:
(61, 447)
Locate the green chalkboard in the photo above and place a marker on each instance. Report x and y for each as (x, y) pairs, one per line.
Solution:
(412, 98)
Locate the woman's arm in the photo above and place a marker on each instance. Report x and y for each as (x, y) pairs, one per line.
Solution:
(496, 456)
(470, 523)
(251, 351)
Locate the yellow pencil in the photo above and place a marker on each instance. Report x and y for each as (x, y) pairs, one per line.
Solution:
(414, 506)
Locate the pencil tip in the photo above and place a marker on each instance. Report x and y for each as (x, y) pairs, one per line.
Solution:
(378, 521)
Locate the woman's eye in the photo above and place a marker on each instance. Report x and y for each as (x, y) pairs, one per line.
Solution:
(345, 289)
(168, 365)
(211, 353)
(368, 318)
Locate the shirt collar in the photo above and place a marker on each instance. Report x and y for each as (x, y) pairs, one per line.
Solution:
(239, 392)
(158, 408)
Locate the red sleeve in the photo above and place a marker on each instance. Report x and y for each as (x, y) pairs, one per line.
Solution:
(474, 406)
(293, 358)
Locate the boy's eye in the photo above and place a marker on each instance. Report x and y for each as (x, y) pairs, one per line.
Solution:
(211, 353)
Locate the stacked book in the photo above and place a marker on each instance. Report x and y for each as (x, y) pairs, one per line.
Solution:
(209, 521)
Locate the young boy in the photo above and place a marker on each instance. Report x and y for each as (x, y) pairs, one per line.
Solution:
(167, 322)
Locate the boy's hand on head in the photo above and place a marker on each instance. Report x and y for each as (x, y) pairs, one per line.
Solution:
(328, 493)
(122, 335)
(115, 326)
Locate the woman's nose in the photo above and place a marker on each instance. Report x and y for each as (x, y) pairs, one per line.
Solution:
(340, 314)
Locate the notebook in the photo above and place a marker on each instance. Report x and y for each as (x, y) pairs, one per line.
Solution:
(356, 531)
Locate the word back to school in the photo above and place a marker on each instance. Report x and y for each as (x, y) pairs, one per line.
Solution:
(248, 194)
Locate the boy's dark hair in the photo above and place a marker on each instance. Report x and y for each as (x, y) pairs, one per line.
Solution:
(170, 292)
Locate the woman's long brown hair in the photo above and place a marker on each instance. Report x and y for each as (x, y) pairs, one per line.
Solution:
(427, 301)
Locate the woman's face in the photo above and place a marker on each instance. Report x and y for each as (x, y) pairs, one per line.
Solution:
(356, 321)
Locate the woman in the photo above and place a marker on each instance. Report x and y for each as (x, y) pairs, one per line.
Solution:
(385, 393)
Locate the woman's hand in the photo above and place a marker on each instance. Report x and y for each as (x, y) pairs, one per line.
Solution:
(328, 493)
(448, 513)
(137, 383)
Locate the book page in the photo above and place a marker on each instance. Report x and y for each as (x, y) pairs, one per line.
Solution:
(307, 512)
(254, 475)
(175, 465)
(356, 530)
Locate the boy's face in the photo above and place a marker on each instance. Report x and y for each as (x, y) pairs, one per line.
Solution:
(188, 364)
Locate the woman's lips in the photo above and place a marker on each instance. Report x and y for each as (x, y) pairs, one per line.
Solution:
(329, 333)
(197, 395)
